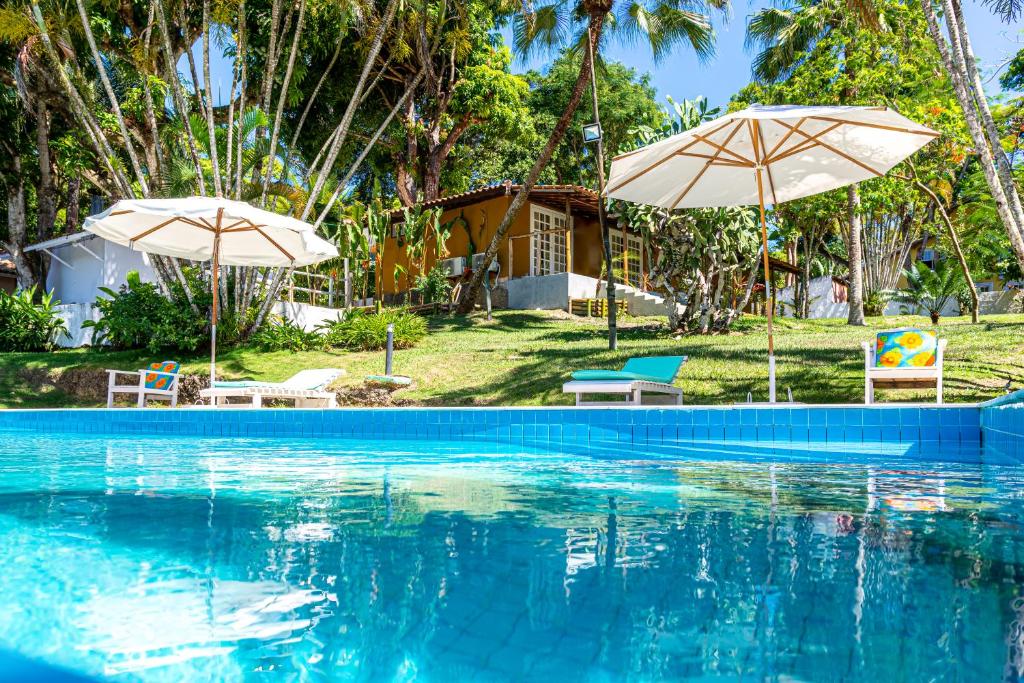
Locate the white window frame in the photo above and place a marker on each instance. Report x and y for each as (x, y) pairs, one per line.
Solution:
(548, 251)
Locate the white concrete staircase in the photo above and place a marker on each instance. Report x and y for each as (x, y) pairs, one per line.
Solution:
(639, 302)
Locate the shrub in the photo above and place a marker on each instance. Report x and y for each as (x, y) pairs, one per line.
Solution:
(369, 331)
(282, 334)
(139, 316)
(875, 303)
(434, 287)
(28, 326)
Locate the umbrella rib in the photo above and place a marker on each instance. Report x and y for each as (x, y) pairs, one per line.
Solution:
(722, 148)
(880, 126)
(800, 146)
(686, 146)
(722, 162)
(659, 162)
(150, 231)
(838, 152)
(271, 240)
(707, 165)
(785, 137)
(767, 167)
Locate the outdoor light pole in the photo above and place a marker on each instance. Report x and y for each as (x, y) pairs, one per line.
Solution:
(601, 218)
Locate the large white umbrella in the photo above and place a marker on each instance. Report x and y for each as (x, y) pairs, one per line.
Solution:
(766, 155)
(227, 232)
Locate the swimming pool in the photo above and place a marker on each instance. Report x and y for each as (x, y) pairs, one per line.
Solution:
(224, 558)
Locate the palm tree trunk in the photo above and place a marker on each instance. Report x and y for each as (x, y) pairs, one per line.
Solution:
(366, 150)
(242, 86)
(114, 104)
(958, 77)
(81, 109)
(958, 28)
(208, 108)
(281, 101)
(46, 194)
(309, 105)
(179, 99)
(346, 120)
(856, 298)
(955, 240)
(157, 162)
(470, 293)
(17, 233)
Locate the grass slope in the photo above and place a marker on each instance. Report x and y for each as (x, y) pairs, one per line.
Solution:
(522, 357)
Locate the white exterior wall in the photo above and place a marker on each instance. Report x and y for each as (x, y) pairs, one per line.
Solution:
(991, 303)
(821, 304)
(79, 282)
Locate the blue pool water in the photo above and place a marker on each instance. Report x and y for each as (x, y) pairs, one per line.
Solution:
(187, 558)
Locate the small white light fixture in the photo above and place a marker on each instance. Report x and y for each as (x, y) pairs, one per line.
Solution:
(591, 132)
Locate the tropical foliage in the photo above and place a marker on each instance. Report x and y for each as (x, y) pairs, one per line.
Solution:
(930, 288)
(26, 325)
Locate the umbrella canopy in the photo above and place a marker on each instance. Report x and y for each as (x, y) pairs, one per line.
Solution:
(211, 228)
(188, 228)
(766, 155)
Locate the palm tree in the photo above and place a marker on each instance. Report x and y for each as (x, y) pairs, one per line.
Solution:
(931, 288)
(960, 63)
(785, 37)
(663, 24)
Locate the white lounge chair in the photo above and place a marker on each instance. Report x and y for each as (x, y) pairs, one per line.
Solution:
(158, 382)
(903, 359)
(307, 388)
(653, 374)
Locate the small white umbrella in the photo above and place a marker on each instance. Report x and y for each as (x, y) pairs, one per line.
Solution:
(766, 155)
(227, 232)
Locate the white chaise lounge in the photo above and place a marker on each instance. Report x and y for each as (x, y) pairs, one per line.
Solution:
(652, 375)
(306, 388)
(903, 359)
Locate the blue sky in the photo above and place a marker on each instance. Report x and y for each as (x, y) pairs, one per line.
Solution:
(682, 75)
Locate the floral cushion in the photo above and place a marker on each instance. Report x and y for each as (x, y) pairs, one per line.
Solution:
(906, 348)
(160, 381)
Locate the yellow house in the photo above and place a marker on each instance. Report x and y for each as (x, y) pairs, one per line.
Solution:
(551, 254)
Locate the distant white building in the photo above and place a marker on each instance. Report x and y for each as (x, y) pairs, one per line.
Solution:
(828, 298)
(80, 264)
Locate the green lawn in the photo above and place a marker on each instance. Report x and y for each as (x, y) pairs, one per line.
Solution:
(522, 357)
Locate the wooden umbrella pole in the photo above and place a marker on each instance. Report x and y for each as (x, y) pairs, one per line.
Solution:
(214, 285)
(758, 168)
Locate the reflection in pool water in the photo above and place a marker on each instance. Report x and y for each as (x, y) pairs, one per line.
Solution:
(228, 559)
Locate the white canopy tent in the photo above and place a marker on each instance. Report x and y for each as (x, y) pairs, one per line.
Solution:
(766, 155)
(227, 232)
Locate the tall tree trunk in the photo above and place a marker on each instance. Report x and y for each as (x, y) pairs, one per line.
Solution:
(959, 78)
(282, 98)
(180, 103)
(242, 87)
(154, 148)
(115, 106)
(17, 229)
(955, 240)
(309, 105)
(46, 196)
(208, 108)
(856, 298)
(350, 110)
(80, 108)
(958, 29)
(409, 90)
(74, 198)
(470, 293)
